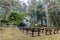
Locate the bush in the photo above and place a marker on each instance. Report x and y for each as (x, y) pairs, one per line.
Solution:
(15, 17)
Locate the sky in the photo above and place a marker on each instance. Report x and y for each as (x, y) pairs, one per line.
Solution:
(25, 1)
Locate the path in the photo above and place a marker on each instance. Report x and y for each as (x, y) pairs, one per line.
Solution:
(16, 34)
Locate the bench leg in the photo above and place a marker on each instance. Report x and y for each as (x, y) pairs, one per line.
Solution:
(32, 33)
(46, 31)
(54, 31)
(42, 30)
(27, 31)
(23, 30)
(38, 32)
(50, 32)
(57, 31)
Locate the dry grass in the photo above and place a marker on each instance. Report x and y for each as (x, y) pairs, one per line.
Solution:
(16, 34)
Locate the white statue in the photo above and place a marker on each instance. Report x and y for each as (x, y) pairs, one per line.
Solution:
(27, 23)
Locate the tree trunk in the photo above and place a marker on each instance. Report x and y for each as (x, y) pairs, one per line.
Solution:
(9, 4)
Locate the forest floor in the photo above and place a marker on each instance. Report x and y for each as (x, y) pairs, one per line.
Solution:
(16, 34)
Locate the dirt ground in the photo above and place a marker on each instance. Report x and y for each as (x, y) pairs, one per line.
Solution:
(16, 34)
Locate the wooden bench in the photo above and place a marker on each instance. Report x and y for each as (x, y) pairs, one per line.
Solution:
(51, 30)
(34, 29)
(38, 30)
